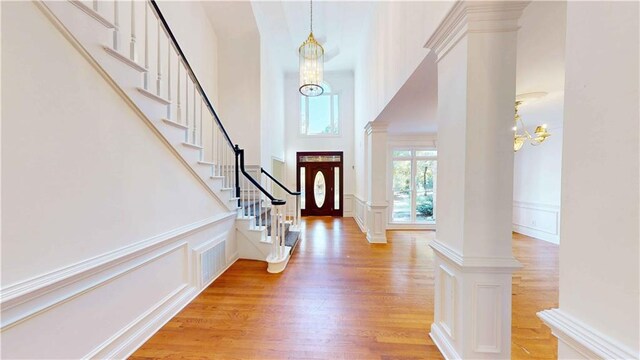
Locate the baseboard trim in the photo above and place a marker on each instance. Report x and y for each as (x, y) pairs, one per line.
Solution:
(446, 348)
(373, 239)
(536, 234)
(584, 339)
(123, 344)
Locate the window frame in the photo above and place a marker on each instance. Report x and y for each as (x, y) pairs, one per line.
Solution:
(413, 158)
(304, 116)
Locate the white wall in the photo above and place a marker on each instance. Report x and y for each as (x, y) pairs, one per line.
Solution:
(240, 79)
(341, 82)
(599, 250)
(272, 122)
(540, 68)
(392, 51)
(198, 40)
(96, 206)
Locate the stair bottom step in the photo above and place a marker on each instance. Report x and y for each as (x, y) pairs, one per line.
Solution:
(292, 239)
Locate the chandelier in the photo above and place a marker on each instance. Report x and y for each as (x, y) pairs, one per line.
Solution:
(519, 138)
(311, 62)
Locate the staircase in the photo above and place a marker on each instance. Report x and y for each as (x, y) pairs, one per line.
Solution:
(132, 46)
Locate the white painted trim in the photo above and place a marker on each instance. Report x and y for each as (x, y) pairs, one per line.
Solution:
(532, 228)
(359, 203)
(34, 288)
(153, 96)
(94, 14)
(175, 124)
(348, 205)
(475, 264)
(446, 348)
(410, 226)
(375, 126)
(131, 337)
(474, 17)
(125, 60)
(583, 338)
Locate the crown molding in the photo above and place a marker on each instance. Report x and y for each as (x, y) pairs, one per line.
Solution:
(474, 17)
(375, 127)
(474, 263)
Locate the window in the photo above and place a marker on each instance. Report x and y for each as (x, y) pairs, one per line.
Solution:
(320, 115)
(413, 185)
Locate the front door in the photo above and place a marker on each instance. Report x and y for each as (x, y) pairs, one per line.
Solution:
(320, 183)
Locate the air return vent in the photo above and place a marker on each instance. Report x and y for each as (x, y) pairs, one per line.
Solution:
(209, 261)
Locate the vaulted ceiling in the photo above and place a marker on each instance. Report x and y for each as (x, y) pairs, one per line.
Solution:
(338, 25)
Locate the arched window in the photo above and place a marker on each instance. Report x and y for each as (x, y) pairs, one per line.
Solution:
(320, 115)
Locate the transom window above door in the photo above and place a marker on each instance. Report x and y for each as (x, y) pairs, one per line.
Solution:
(320, 115)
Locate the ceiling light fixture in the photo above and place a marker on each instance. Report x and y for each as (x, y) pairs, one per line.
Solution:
(311, 62)
(540, 134)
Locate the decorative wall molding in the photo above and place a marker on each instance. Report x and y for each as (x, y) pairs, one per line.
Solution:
(28, 298)
(538, 220)
(360, 212)
(375, 126)
(474, 17)
(376, 223)
(583, 338)
(475, 264)
(348, 205)
(442, 342)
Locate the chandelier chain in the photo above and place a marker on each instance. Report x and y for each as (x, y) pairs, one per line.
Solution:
(311, 15)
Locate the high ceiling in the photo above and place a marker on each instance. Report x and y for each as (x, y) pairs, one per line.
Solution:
(338, 25)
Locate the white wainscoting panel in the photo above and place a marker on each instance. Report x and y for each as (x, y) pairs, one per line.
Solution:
(360, 212)
(541, 221)
(108, 306)
(348, 203)
(487, 300)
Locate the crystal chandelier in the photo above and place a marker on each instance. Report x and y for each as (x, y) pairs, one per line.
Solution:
(519, 138)
(311, 63)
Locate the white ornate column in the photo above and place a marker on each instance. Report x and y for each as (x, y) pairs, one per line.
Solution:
(376, 157)
(476, 49)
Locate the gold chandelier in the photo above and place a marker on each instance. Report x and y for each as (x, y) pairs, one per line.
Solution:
(540, 133)
(311, 63)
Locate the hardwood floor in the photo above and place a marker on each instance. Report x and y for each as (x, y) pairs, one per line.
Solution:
(342, 298)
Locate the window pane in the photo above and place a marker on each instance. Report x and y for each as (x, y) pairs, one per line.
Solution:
(302, 188)
(336, 115)
(401, 153)
(401, 190)
(303, 114)
(319, 189)
(431, 153)
(425, 171)
(336, 187)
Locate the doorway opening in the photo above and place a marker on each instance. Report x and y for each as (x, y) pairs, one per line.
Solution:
(320, 182)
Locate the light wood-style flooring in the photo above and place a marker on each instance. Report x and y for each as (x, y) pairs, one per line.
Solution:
(342, 298)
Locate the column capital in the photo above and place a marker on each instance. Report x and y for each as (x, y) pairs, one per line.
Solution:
(474, 17)
(375, 126)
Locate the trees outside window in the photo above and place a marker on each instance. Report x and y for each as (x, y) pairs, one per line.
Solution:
(413, 185)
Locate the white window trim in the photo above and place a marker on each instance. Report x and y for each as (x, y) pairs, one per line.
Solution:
(412, 223)
(338, 123)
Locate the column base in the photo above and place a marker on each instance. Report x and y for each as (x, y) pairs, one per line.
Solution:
(376, 223)
(472, 318)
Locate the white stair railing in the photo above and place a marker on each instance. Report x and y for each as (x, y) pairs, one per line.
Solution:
(142, 38)
(141, 35)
